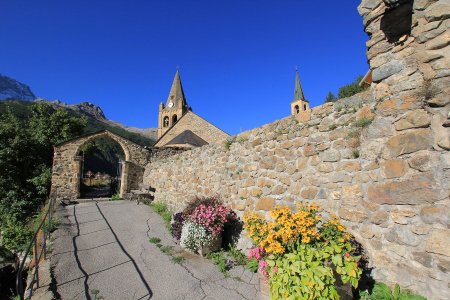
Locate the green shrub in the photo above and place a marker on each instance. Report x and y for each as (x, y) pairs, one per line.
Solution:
(381, 291)
(253, 264)
(15, 235)
(363, 122)
(115, 197)
(220, 260)
(238, 257)
(304, 273)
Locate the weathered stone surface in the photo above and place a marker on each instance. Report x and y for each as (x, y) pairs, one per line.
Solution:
(326, 168)
(279, 189)
(309, 150)
(387, 70)
(414, 119)
(408, 143)
(438, 11)
(380, 127)
(440, 100)
(439, 42)
(349, 166)
(403, 236)
(419, 189)
(364, 113)
(265, 204)
(366, 231)
(435, 214)
(379, 217)
(330, 155)
(394, 168)
(309, 193)
(402, 216)
(423, 258)
(352, 215)
(439, 242)
(423, 161)
(302, 163)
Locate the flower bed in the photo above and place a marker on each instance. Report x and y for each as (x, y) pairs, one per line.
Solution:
(199, 227)
(300, 255)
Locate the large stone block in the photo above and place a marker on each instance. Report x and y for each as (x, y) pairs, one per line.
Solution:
(353, 215)
(435, 214)
(403, 236)
(409, 142)
(386, 70)
(438, 11)
(419, 189)
(414, 119)
(439, 242)
(266, 204)
(393, 168)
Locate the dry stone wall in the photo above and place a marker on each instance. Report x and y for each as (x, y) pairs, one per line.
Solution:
(379, 160)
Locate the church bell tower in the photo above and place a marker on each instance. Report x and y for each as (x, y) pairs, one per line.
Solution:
(299, 104)
(176, 106)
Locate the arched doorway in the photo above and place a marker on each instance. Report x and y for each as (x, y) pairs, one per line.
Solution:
(101, 168)
(68, 163)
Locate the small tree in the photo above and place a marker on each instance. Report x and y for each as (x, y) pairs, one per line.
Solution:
(351, 89)
(330, 97)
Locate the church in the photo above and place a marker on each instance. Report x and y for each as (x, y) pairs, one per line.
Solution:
(179, 127)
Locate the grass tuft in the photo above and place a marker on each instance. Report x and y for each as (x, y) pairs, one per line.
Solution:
(154, 240)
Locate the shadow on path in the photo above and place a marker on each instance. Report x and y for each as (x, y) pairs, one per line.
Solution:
(86, 275)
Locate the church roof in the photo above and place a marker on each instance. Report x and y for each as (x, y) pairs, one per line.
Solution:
(176, 93)
(189, 138)
(298, 92)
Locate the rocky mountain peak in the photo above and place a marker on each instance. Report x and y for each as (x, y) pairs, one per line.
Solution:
(91, 110)
(13, 89)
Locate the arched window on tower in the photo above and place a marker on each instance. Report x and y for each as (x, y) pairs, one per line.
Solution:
(304, 106)
(174, 119)
(297, 109)
(166, 122)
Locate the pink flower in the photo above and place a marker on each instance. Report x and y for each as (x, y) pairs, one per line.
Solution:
(347, 254)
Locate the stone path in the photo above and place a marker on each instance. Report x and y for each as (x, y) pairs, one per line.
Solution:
(102, 248)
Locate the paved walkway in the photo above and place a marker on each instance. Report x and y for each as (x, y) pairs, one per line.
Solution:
(102, 249)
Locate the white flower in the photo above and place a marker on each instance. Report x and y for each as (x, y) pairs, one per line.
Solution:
(194, 236)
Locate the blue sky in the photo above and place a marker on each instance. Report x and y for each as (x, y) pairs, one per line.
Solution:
(237, 58)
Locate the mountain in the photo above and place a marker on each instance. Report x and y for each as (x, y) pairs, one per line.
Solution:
(96, 120)
(13, 89)
(19, 98)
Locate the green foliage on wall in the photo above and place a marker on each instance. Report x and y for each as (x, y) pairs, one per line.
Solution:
(347, 90)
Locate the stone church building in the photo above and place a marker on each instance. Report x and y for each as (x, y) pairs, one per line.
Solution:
(179, 127)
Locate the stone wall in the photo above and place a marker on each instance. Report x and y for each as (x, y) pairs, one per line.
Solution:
(379, 160)
(67, 165)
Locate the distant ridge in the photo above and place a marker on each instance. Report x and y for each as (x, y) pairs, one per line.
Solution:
(18, 97)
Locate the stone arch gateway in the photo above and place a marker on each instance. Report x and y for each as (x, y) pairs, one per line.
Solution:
(66, 171)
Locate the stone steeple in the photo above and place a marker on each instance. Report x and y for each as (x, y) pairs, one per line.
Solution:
(298, 92)
(299, 104)
(176, 106)
(176, 94)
